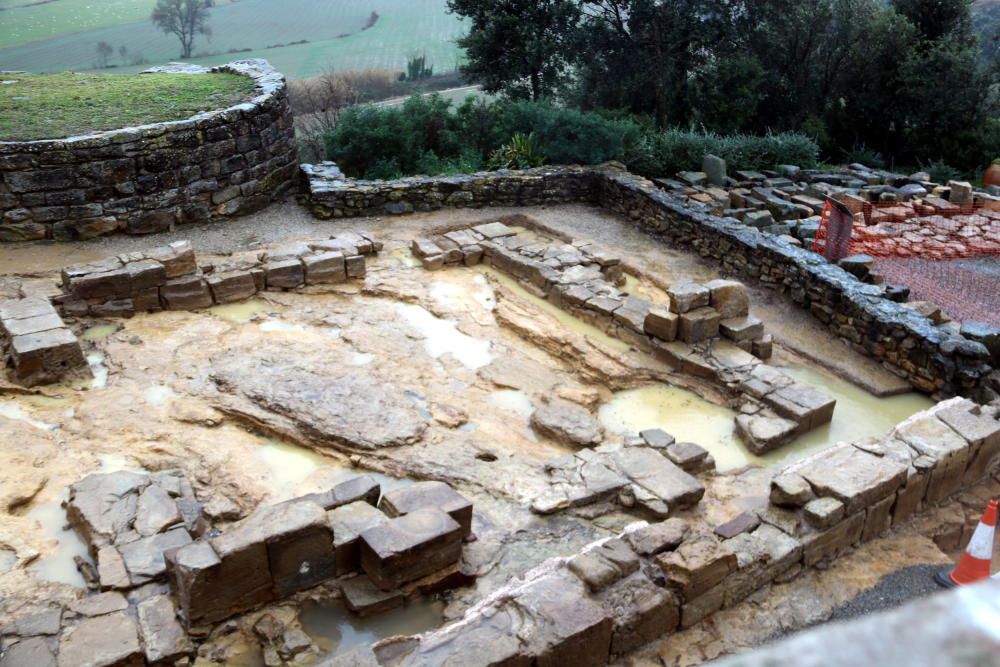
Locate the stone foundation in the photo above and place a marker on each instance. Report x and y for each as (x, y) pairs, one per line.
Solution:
(147, 179)
(933, 360)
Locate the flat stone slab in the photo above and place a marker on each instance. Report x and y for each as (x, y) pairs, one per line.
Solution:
(431, 494)
(410, 547)
(103, 641)
(660, 476)
(854, 477)
(568, 423)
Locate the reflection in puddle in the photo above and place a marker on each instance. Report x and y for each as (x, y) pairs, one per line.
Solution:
(442, 336)
(243, 311)
(564, 318)
(452, 293)
(335, 630)
(99, 332)
(685, 415)
(59, 565)
(12, 410)
(97, 368)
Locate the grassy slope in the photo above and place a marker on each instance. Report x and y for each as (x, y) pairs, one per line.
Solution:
(406, 27)
(22, 23)
(79, 103)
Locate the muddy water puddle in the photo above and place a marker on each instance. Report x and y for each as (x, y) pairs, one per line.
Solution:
(243, 311)
(443, 337)
(59, 565)
(336, 631)
(99, 332)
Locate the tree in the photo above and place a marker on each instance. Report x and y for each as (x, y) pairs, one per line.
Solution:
(183, 18)
(123, 53)
(518, 47)
(104, 51)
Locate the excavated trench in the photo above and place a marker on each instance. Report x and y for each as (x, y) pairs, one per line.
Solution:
(408, 375)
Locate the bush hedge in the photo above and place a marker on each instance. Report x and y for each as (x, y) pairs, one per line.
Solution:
(426, 135)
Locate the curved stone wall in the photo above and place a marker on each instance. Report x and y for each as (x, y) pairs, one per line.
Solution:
(147, 179)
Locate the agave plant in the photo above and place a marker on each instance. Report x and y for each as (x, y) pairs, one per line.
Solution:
(521, 152)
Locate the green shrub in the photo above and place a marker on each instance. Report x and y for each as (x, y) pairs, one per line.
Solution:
(941, 172)
(866, 156)
(520, 153)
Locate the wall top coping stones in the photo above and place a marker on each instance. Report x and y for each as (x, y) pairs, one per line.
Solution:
(268, 82)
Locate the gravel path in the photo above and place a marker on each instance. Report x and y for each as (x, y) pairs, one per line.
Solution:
(891, 591)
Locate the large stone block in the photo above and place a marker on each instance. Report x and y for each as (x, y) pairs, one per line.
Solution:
(144, 558)
(285, 274)
(661, 323)
(641, 612)
(854, 477)
(699, 564)
(761, 556)
(729, 297)
(163, 637)
(409, 547)
(327, 267)
(113, 284)
(186, 293)
(744, 328)
(823, 546)
(348, 522)
(603, 564)
(697, 325)
(178, 258)
(111, 640)
(662, 478)
(45, 356)
(688, 296)
(231, 286)
(802, 404)
(423, 495)
(362, 487)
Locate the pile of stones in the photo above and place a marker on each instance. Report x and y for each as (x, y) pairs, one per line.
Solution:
(788, 202)
(705, 330)
(652, 473)
(652, 579)
(37, 346)
(166, 575)
(170, 278)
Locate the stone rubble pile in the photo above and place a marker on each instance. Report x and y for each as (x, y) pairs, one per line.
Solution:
(940, 221)
(38, 348)
(166, 575)
(706, 330)
(653, 579)
(652, 473)
(170, 278)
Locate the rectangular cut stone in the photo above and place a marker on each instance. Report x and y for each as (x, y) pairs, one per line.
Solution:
(742, 328)
(145, 273)
(210, 588)
(697, 565)
(826, 545)
(111, 640)
(178, 258)
(347, 523)
(111, 569)
(697, 325)
(31, 325)
(325, 268)
(114, 284)
(641, 612)
(878, 518)
(729, 297)
(933, 438)
(364, 598)
(45, 356)
(807, 407)
(494, 230)
(362, 487)
(186, 293)
(633, 313)
(910, 498)
(688, 296)
(422, 495)
(425, 248)
(854, 477)
(761, 556)
(657, 474)
(661, 323)
(163, 638)
(355, 266)
(231, 286)
(144, 558)
(409, 547)
(285, 274)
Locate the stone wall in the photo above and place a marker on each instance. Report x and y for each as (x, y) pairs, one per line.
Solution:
(147, 179)
(908, 344)
(653, 579)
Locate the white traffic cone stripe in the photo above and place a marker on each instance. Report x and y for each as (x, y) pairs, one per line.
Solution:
(981, 544)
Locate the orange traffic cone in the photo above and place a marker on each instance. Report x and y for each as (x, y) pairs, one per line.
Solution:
(975, 563)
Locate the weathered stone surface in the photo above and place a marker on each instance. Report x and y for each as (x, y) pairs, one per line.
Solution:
(744, 328)
(790, 490)
(825, 545)
(762, 433)
(331, 406)
(688, 296)
(580, 479)
(821, 513)
(568, 423)
(743, 522)
(348, 522)
(163, 638)
(177, 258)
(853, 477)
(652, 471)
(657, 438)
(366, 599)
(761, 555)
(697, 565)
(661, 323)
(657, 537)
(102, 505)
(100, 604)
(729, 297)
(361, 488)
(284, 274)
(878, 518)
(186, 293)
(328, 267)
(430, 494)
(603, 564)
(104, 641)
(32, 652)
(641, 612)
(155, 511)
(144, 558)
(697, 325)
(410, 547)
(231, 286)
(111, 570)
(806, 406)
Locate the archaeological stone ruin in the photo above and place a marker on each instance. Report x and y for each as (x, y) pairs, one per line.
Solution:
(559, 416)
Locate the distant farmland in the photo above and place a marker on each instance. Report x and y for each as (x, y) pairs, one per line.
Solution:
(334, 32)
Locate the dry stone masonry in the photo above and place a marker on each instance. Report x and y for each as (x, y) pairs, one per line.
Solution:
(934, 360)
(147, 179)
(653, 579)
(164, 573)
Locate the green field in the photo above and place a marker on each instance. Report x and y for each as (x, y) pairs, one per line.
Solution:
(405, 28)
(44, 106)
(22, 22)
